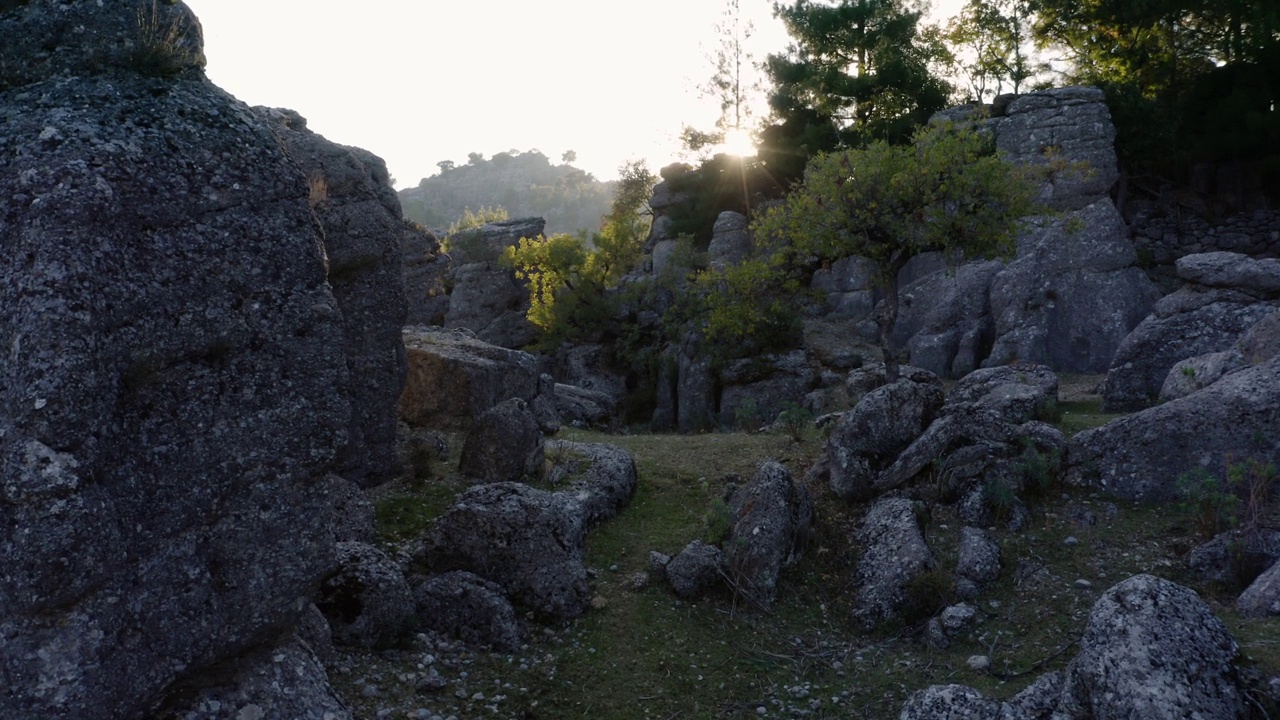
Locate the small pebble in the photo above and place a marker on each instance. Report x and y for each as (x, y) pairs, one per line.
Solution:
(981, 663)
(1083, 584)
(1071, 541)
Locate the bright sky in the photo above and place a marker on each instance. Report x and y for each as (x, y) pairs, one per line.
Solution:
(420, 81)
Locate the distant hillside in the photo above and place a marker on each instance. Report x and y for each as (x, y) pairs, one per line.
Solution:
(524, 184)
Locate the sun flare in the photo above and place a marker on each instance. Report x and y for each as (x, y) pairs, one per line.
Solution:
(738, 142)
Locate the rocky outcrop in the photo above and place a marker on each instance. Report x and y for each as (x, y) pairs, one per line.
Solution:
(177, 387)
(869, 438)
(1225, 295)
(894, 555)
(946, 322)
(761, 387)
(486, 298)
(425, 268)
(470, 608)
(1140, 457)
(364, 239)
(978, 557)
(1152, 649)
(1072, 294)
(504, 444)
(730, 241)
(453, 377)
(773, 517)
(695, 570)
(366, 602)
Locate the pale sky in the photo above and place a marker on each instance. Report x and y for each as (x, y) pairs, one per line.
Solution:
(420, 81)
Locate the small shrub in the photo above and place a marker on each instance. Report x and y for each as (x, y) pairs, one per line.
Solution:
(162, 50)
(1211, 504)
(1188, 372)
(1047, 410)
(795, 420)
(1000, 495)
(747, 416)
(1040, 470)
(1252, 480)
(421, 458)
(718, 522)
(926, 595)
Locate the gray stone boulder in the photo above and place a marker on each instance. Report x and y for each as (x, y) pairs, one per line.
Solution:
(453, 378)
(581, 407)
(1261, 341)
(1262, 597)
(177, 387)
(528, 541)
(1072, 294)
(364, 239)
(695, 570)
(588, 367)
(848, 286)
(869, 438)
(504, 444)
(730, 241)
(862, 380)
(466, 606)
(486, 243)
(352, 511)
(1140, 457)
(603, 479)
(1152, 649)
(1236, 557)
(1196, 320)
(1258, 344)
(489, 301)
(1019, 393)
(286, 680)
(695, 387)
(764, 385)
(773, 517)
(367, 601)
(1233, 271)
(955, 329)
(425, 267)
(894, 555)
(1071, 126)
(978, 557)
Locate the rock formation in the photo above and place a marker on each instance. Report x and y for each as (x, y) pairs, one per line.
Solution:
(202, 306)
(486, 298)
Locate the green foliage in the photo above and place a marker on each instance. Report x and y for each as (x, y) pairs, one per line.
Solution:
(991, 41)
(946, 192)
(162, 49)
(1212, 504)
(926, 595)
(795, 419)
(863, 63)
(1047, 410)
(469, 220)
(1000, 494)
(749, 309)
(1040, 469)
(717, 522)
(747, 416)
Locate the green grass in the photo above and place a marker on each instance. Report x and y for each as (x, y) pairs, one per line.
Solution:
(1079, 415)
(647, 654)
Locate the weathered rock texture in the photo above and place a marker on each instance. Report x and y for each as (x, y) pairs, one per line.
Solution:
(1141, 456)
(453, 377)
(176, 385)
(364, 239)
(367, 601)
(487, 298)
(894, 554)
(1225, 295)
(503, 445)
(773, 517)
(469, 608)
(1152, 649)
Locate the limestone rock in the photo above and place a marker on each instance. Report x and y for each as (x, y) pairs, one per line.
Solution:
(453, 378)
(177, 384)
(605, 487)
(364, 237)
(352, 511)
(1235, 557)
(772, 521)
(894, 554)
(1234, 271)
(870, 436)
(1262, 597)
(281, 681)
(424, 267)
(470, 608)
(695, 394)
(1019, 393)
(583, 408)
(730, 241)
(504, 444)
(979, 556)
(1072, 294)
(490, 302)
(695, 569)
(955, 329)
(765, 385)
(526, 540)
(1139, 457)
(367, 602)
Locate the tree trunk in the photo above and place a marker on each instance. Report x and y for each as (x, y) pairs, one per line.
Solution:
(889, 317)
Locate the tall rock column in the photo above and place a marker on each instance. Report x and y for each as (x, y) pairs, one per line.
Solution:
(174, 385)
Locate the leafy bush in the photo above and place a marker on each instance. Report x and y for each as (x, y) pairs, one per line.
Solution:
(1040, 469)
(747, 416)
(795, 419)
(717, 522)
(1209, 501)
(1000, 494)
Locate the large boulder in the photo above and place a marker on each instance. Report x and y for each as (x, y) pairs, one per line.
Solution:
(1141, 456)
(1152, 649)
(364, 239)
(869, 438)
(1072, 294)
(894, 556)
(954, 330)
(367, 601)
(773, 517)
(470, 608)
(1204, 316)
(504, 444)
(696, 569)
(453, 378)
(763, 386)
(425, 268)
(486, 298)
(176, 388)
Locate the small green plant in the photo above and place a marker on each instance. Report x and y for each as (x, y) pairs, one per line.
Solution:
(1208, 500)
(1048, 410)
(1075, 225)
(478, 219)
(926, 595)
(1000, 494)
(718, 522)
(795, 419)
(162, 49)
(1040, 469)
(1188, 372)
(1252, 480)
(747, 415)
